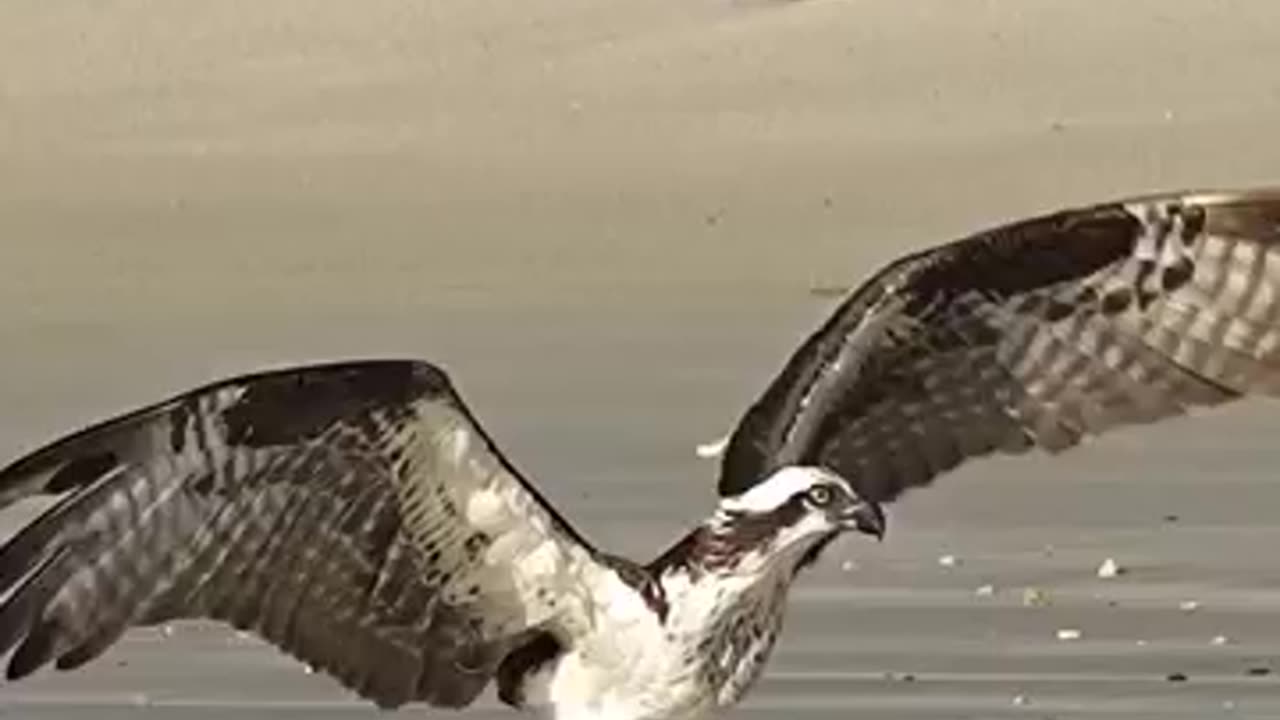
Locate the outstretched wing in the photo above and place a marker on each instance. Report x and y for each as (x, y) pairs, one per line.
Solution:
(353, 514)
(1035, 334)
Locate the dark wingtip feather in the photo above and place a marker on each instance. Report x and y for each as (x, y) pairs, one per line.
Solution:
(79, 472)
(34, 652)
(28, 547)
(20, 609)
(25, 477)
(66, 464)
(91, 647)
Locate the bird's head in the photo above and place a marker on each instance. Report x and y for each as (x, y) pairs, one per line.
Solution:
(794, 513)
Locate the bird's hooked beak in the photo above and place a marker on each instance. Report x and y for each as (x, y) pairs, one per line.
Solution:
(865, 516)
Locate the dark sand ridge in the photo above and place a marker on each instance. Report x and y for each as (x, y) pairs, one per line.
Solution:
(605, 219)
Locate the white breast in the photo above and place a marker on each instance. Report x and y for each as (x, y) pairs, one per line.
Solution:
(629, 666)
(622, 668)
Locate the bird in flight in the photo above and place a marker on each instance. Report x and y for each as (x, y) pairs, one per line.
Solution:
(357, 516)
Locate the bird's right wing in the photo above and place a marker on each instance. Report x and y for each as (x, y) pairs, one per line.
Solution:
(353, 514)
(1035, 334)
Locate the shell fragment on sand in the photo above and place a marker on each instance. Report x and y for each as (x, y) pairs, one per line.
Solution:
(1110, 569)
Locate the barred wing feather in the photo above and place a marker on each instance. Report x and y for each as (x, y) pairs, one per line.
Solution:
(353, 514)
(1037, 334)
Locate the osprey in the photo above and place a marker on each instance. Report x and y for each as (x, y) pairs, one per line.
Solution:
(357, 516)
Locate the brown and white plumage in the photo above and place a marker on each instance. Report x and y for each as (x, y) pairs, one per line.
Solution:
(357, 516)
(351, 514)
(1036, 334)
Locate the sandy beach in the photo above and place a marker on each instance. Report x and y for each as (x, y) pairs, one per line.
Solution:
(607, 220)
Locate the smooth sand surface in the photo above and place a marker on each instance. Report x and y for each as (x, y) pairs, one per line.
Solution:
(605, 218)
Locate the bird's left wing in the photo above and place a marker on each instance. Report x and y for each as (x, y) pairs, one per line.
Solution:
(1035, 334)
(353, 514)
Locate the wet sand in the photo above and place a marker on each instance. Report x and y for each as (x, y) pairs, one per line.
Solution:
(606, 219)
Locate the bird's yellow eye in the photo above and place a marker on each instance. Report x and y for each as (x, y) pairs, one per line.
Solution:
(820, 495)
